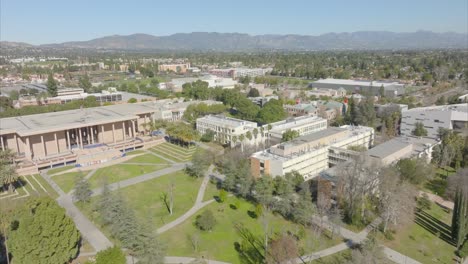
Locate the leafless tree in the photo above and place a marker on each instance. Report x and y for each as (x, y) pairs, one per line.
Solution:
(396, 198)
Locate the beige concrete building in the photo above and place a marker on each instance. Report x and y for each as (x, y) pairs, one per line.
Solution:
(52, 138)
(179, 68)
(310, 154)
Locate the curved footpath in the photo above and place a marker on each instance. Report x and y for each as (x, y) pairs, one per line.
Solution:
(100, 242)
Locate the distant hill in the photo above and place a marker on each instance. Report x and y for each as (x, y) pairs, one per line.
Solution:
(205, 41)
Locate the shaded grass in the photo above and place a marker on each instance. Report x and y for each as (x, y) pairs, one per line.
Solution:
(425, 239)
(211, 191)
(220, 243)
(438, 185)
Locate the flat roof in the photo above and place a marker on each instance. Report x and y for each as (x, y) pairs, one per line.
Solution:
(224, 120)
(312, 137)
(355, 82)
(387, 148)
(453, 107)
(46, 122)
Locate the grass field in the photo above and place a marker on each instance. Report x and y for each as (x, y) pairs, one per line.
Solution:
(59, 169)
(427, 239)
(147, 158)
(219, 244)
(146, 198)
(135, 152)
(66, 181)
(27, 186)
(211, 191)
(174, 152)
(120, 172)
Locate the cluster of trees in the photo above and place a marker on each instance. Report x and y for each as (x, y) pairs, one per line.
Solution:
(8, 175)
(181, 132)
(39, 231)
(361, 178)
(419, 130)
(135, 235)
(195, 111)
(289, 135)
(453, 150)
(88, 102)
(362, 113)
(242, 107)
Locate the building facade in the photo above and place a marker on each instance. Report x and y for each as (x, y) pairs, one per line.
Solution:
(454, 117)
(228, 130)
(310, 154)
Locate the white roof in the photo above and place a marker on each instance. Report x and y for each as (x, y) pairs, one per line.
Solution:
(355, 82)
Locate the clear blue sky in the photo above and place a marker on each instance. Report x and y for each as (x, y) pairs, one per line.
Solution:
(52, 21)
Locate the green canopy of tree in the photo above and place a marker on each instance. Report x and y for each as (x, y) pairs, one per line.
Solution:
(113, 255)
(51, 85)
(8, 174)
(205, 221)
(415, 170)
(289, 135)
(272, 111)
(419, 130)
(43, 233)
(85, 83)
(253, 93)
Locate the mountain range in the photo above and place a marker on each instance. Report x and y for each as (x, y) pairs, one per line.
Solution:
(236, 42)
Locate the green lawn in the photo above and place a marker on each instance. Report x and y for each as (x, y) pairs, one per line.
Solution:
(211, 191)
(147, 158)
(50, 191)
(66, 181)
(146, 198)
(425, 240)
(59, 169)
(174, 152)
(120, 172)
(135, 152)
(219, 244)
(338, 258)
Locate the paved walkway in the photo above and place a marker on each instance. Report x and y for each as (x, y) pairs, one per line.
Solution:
(199, 204)
(438, 200)
(185, 260)
(90, 174)
(87, 229)
(142, 178)
(353, 238)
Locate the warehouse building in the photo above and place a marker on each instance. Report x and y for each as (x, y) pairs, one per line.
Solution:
(391, 89)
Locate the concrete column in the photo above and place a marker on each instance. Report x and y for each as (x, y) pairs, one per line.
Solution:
(27, 149)
(133, 128)
(1, 142)
(124, 131)
(146, 124)
(113, 132)
(81, 137)
(56, 143)
(16, 143)
(92, 135)
(101, 140)
(68, 139)
(43, 145)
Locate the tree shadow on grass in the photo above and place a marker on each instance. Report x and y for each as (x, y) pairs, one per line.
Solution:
(251, 248)
(434, 226)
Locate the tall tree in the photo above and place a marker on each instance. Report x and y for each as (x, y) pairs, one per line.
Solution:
(51, 85)
(82, 191)
(459, 218)
(43, 233)
(8, 174)
(283, 249)
(85, 83)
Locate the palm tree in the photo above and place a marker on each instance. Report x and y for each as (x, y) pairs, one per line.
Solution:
(268, 136)
(241, 138)
(7, 168)
(234, 140)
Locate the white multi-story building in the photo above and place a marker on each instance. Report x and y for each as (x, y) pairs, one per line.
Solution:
(310, 154)
(435, 117)
(226, 128)
(304, 125)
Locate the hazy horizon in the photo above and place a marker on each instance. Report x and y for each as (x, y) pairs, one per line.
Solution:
(54, 21)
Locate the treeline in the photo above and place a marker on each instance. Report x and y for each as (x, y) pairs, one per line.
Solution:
(39, 109)
(240, 106)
